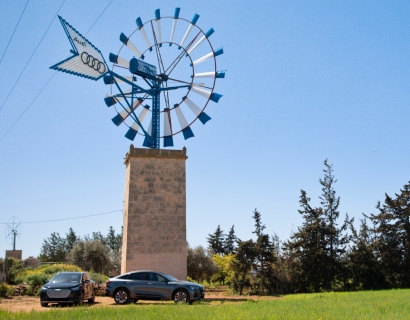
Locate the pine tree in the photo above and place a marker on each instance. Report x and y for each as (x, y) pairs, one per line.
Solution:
(113, 241)
(230, 240)
(264, 255)
(259, 227)
(319, 245)
(53, 249)
(70, 240)
(242, 265)
(392, 237)
(364, 269)
(216, 241)
(306, 248)
(336, 239)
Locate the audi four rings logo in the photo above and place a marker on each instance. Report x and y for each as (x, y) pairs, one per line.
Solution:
(92, 62)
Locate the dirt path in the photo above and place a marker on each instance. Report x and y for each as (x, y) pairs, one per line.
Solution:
(26, 303)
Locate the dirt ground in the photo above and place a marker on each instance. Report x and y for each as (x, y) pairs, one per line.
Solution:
(27, 303)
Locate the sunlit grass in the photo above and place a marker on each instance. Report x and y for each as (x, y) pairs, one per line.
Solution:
(391, 304)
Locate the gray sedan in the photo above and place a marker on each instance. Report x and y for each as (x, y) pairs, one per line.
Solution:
(152, 285)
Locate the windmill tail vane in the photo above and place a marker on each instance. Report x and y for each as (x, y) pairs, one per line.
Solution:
(176, 71)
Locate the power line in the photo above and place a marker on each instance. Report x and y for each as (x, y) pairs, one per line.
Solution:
(24, 69)
(51, 76)
(28, 106)
(73, 218)
(14, 31)
(99, 17)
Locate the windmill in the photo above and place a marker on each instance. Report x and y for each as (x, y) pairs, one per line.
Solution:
(13, 230)
(167, 62)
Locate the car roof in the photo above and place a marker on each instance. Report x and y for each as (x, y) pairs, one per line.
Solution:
(79, 272)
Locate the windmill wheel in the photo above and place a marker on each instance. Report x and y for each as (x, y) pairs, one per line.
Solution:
(162, 79)
(13, 230)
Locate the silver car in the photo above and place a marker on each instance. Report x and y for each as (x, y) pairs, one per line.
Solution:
(152, 285)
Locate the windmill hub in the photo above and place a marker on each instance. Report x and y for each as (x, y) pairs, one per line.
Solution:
(163, 77)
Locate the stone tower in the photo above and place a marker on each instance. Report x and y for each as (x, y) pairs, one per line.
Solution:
(154, 234)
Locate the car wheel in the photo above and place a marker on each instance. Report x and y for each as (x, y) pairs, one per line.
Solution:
(122, 296)
(80, 298)
(44, 305)
(92, 299)
(181, 296)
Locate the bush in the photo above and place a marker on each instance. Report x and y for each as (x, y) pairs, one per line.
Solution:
(36, 279)
(13, 268)
(6, 290)
(3, 289)
(98, 277)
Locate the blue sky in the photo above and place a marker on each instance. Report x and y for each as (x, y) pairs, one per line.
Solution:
(306, 81)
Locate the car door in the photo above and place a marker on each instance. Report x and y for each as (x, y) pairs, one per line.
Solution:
(137, 283)
(157, 287)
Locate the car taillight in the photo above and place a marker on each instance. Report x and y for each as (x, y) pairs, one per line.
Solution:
(108, 282)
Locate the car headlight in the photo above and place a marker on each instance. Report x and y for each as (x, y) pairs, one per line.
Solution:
(75, 288)
(193, 288)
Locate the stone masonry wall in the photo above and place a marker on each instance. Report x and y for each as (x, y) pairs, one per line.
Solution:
(154, 235)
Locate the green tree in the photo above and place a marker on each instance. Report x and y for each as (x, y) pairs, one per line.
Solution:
(306, 248)
(200, 265)
(90, 255)
(216, 241)
(70, 240)
(12, 268)
(242, 265)
(318, 247)
(113, 241)
(259, 227)
(336, 238)
(229, 242)
(263, 264)
(391, 227)
(264, 257)
(364, 269)
(225, 271)
(53, 249)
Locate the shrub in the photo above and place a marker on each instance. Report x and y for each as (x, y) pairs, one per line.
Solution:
(98, 277)
(3, 289)
(13, 268)
(36, 279)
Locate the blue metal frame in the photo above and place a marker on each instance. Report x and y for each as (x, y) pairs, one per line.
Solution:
(152, 139)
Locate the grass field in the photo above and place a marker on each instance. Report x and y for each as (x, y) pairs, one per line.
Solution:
(388, 304)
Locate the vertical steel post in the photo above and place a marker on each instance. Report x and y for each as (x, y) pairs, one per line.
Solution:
(155, 119)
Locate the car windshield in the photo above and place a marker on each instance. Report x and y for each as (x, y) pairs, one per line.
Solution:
(168, 277)
(66, 278)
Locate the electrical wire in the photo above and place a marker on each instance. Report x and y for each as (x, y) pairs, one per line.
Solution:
(24, 69)
(73, 218)
(28, 107)
(99, 17)
(18, 22)
(51, 76)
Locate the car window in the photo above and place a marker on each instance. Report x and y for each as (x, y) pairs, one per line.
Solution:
(153, 277)
(139, 276)
(125, 276)
(161, 278)
(66, 277)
